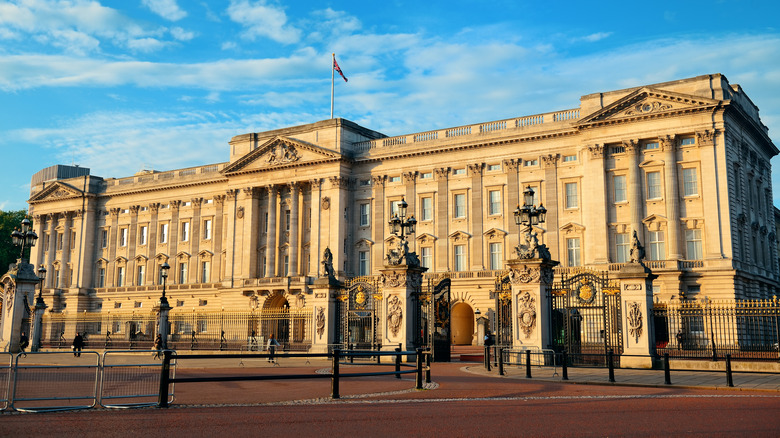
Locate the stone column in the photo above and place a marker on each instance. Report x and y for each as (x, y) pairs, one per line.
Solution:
(531, 319)
(173, 239)
(315, 239)
(218, 237)
(635, 197)
(270, 247)
(112, 244)
(672, 196)
(512, 201)
(477, 216)
(595, 188)
(88, 247)
(65, 253)
(230, 236)
(398, 284)
(195, 233)
(131, 276)
(378, 222)
(294, 195)
(247, 241)
(550, 183)
(636, 298)
(18, 288)
(51, 250)
(442, 219)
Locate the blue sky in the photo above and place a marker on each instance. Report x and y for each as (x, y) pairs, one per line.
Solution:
(122, 85)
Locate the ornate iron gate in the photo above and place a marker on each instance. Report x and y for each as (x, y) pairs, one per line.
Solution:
(586, 316)
(432, 318)
(359, 314)
(503, 296)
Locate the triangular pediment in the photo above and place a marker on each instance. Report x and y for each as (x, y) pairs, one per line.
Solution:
(495, 233)
(572, 228)
(647, 102)
(280, 152)
(653, 218)
(57, 191)
(459, 236)
(424, 238)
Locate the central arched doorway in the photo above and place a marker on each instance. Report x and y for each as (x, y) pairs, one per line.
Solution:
(462, 320)
(275, 318)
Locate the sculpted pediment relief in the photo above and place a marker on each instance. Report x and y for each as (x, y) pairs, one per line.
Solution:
(280, 152)
(57, 191)
(572, 228)
(647, 102)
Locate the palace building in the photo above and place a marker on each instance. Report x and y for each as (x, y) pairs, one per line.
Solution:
(685, 164)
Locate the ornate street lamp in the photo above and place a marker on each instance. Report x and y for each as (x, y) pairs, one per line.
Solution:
(163, 307)
(401, 226)
(39, 308)
(24, 238)
(164, 274)
(528, 216)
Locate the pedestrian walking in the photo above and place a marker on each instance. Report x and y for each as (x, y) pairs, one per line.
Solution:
(23, 343)
(157, 346)
(78, 344)
(272, 344)
(679, 337)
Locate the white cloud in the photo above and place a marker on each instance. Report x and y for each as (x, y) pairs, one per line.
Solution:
(229, 45)
(261, 20)
(598, 36)
(167, 9)
(181, 34)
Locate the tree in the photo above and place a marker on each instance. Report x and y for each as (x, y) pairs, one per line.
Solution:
(9, 220)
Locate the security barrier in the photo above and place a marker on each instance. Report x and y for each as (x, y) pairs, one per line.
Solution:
(52, 381)
(6, 362)
(132, 379)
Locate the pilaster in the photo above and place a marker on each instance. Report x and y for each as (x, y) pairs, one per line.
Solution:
(531, 319)
(398, 284)
(636, 297)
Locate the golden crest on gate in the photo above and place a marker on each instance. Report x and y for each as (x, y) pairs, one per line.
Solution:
(360, 297)
(585, 293)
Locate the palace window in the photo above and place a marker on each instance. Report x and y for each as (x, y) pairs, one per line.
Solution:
(394, 179)
(103, 238)
(656, 244)
(185, 231)
(493, 167)
(529, 163)
(459, 207)
(460, 257)
(569, 158)
(123, 237)
(205, 270)
(573, 251)
(494, 202)
(426, 257)
(690, 182)
(60, 241)
(142, 232)
(365, 215)
(693, 244)
(207, 229)
(426, 175)
(619, 183)
(687, 141)
(622, 247)
(572, 199)
(183, 273)
(363, 263)
(101, 277)
(651, 145)
(120, 276)
(163, 233)
(426, 209)
(496, 256)
(141, 277)
(461, 171)
(653, 185)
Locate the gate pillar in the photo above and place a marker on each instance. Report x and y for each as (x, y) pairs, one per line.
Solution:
(636, 293)
(18, 288)
(531, 319)
(325, 321)
(399, 282)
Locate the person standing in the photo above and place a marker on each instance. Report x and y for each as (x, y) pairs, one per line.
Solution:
(158, 346)
(272, 344)
(78, 344)
(23, 343)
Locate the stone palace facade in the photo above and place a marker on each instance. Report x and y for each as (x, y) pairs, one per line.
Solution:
(684, 163)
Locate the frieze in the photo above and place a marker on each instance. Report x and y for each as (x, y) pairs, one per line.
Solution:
(395, 314)
(524, 275)
(283, 153)
(634, 321)
(526, 313)
(647, 107)
(632, 287)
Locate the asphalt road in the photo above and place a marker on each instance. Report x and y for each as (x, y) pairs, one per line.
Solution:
(461, 405)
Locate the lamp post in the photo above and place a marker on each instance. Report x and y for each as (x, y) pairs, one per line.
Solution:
(163, 307)
(401, 226)
(39, 309)
(24, 238)
(529, 215)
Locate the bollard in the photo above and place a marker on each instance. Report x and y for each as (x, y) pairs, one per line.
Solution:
(334, 385)
(351, 357)
(527, 364)
(501, 361)
(165, 377)
(428, 366)
(611, 364)
(487, 358)
(398, 363)
(564, 366)
(667, 372)
(419, 377)
(729, 378)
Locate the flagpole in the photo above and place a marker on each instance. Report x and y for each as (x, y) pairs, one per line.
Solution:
(332, 77)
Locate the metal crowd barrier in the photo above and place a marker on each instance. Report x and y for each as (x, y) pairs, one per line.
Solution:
(55, 381)
(132, 379)
(6, 364)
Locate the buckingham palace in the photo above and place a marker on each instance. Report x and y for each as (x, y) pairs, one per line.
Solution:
(683, 164)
